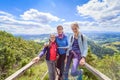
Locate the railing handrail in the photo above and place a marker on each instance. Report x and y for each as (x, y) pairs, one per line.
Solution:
(97, 73)
(20, 71)
(94, 71)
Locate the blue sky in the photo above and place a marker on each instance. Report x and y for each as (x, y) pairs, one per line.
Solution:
(61, 8)
(42, 16)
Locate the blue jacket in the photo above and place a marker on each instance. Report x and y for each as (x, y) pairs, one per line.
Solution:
(62, 43)
(82, 45)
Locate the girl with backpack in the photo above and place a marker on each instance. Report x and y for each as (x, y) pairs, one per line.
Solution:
(51, 55)
(76, 52)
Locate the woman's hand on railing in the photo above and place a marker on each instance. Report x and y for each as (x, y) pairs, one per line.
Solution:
(82, 61)
(36, 59)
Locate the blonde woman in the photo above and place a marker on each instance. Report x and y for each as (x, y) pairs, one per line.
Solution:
(76, 52)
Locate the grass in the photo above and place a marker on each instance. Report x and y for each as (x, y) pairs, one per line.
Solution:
(35, 73)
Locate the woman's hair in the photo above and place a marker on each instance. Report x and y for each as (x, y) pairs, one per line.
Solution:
(75, 24)
(59, 26)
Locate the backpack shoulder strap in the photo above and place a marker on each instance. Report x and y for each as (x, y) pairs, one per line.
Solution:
(71, 38)
(82, 37)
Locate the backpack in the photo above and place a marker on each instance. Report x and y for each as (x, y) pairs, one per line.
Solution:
(81, 37)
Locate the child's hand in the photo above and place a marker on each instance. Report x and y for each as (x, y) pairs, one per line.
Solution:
(57, 56)
(65, 49)
(46, 44)
(36, 59)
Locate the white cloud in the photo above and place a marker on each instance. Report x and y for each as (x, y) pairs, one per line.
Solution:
(16, 25)
(106, 14)
(105, 10)
(35, 15)
(62, 20)
(2, 13)
(26, 29)
(91, 26)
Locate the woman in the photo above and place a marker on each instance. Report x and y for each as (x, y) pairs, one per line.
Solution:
(61, 40)
(51, 55)
(76, 52)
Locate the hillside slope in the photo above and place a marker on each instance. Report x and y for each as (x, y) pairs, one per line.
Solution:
(15, 53)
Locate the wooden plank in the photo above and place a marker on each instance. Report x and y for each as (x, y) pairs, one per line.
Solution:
(20, 71)
(97, 73)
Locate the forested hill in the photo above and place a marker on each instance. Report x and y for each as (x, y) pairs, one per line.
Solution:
(15, 53)
(105, 49)
(114, 45)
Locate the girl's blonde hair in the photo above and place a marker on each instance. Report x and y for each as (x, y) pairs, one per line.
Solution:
(75, 24)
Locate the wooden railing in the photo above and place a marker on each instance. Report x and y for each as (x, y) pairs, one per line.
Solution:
(94, 71)
(20, 71)
(97, 73)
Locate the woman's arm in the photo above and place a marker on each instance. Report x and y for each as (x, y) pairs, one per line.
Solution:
(85, 47)
(69, 45)
(84, 54)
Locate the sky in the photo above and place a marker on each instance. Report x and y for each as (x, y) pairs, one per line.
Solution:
(43, 16)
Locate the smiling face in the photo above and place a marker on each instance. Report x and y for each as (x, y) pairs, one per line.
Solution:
(60, 29)
(52, 37)
(75, 28)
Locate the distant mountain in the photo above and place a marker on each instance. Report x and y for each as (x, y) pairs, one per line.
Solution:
(98, 37)
(104, 37)
(32, 37)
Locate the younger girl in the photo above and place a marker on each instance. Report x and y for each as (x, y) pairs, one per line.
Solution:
(51, 55)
